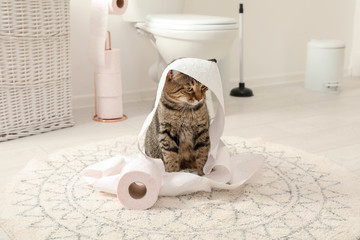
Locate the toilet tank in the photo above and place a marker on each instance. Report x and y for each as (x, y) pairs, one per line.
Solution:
(138, 9)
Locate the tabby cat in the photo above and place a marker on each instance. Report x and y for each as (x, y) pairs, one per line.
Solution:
(179, 131)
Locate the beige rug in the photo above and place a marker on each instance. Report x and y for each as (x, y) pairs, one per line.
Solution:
(301, 196)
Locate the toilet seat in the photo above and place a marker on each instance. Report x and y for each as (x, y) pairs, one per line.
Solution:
(188, 22)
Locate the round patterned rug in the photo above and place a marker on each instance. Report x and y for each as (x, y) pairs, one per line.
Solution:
(300, 196)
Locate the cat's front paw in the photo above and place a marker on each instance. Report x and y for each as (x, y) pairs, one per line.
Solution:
(172, 166)
(200, 172)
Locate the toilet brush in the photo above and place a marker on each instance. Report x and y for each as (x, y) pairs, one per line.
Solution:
(241, 91)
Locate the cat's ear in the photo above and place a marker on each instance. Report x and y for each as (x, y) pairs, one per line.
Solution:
(213, 60)
(170, 75)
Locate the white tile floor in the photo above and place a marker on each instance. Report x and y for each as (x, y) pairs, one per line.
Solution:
(325, 124)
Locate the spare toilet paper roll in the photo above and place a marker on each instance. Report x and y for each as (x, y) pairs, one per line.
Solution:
(117, 7)
(112, 62)
(100, 10)
(109, 103)
(109, 108)
(108, 85)
(139, 184)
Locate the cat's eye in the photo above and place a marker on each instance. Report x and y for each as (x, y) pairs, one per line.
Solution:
(189, 89)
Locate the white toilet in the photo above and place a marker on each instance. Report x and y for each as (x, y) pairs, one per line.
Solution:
(177, 35)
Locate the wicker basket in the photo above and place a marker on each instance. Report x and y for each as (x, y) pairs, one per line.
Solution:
(35, 72)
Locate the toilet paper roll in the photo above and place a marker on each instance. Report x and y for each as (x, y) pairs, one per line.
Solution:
(117, 7)
(100, 10)
(112, 62)
(108, 85)
(109, 103)
(139, 184)
(109, 107)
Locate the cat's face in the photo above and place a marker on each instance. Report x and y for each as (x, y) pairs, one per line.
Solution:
(182, 88)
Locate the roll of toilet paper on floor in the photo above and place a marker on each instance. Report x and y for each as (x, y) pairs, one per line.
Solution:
(139, 184)
(100, 10)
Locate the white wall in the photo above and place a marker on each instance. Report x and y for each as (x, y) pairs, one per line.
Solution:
(276, 33)
(355, 54)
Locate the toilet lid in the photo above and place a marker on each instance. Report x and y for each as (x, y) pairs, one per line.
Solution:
(190, 22)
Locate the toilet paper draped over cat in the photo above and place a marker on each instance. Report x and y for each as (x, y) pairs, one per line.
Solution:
(221, 170)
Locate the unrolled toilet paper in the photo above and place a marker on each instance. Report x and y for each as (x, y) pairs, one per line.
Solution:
(108, 167)
(100, 10)
(142, 178)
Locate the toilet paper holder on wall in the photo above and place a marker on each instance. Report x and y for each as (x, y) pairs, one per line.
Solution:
(96, 117)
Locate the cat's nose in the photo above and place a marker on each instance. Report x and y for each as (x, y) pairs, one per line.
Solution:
(198, 97)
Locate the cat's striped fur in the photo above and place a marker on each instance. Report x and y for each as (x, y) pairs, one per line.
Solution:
(179, 132)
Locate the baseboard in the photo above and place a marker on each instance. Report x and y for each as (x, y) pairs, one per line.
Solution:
(268, 80)
(83, 101)
(86, 101)
(262, 81)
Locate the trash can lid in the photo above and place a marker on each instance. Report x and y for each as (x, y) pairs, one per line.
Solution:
(326, 44)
